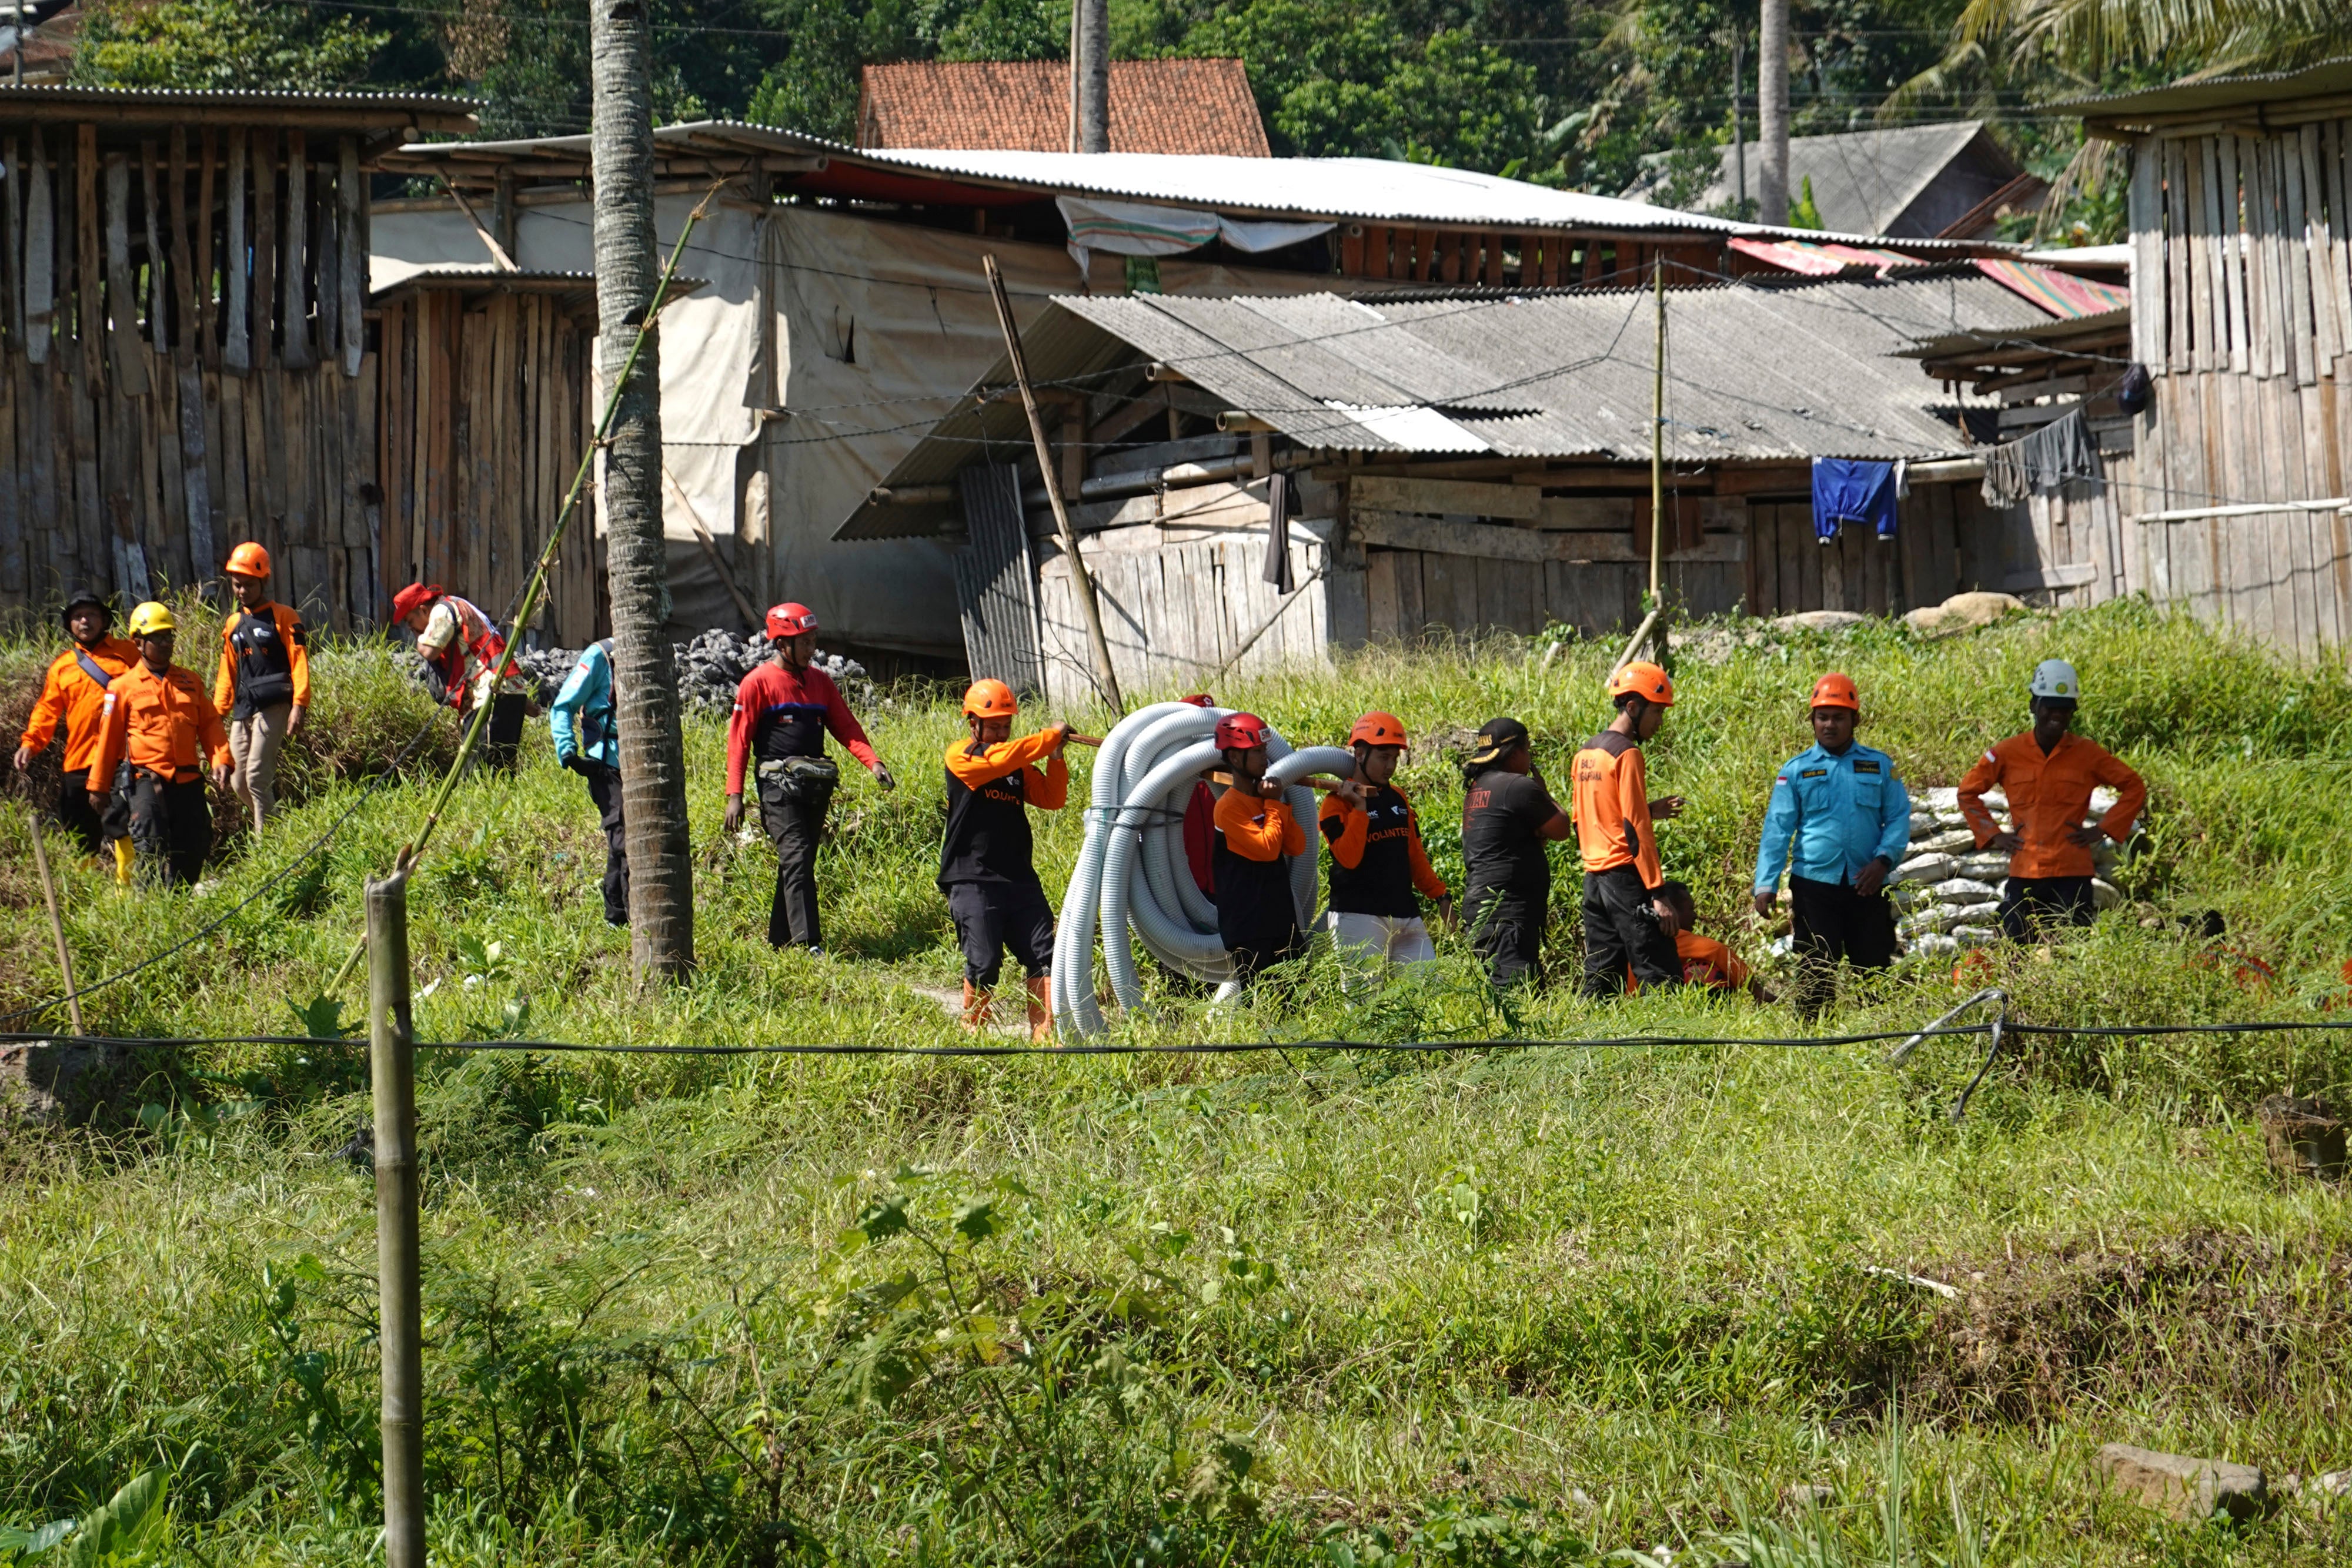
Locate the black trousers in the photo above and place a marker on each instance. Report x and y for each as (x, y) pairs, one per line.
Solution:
(94, 830)
(2029, 903)
(1829, 921)
(1621, 932)
(1506, 932)
(794, 825)
(171, 827)
(991, 917)
(503, 734)
(605, 789)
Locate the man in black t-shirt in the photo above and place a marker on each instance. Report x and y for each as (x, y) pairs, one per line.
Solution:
(1507, 817)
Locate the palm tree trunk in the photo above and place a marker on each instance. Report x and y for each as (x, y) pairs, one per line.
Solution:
(1773, 114)
(644, 674)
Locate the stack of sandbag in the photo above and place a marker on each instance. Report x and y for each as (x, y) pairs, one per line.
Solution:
(1946, 888)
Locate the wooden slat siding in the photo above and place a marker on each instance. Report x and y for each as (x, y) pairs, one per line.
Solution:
(1494, 266)
(1351, 250)
(2274, 251)
(126, 366)
(12, 244)
(2342, 263)
(207, 268)
(237, 281)
(325, 265)
(1426, 258)
(2328, 332)
(2253, 190)
(2331, 264)
(391, 401)
(148, 182)
(12, 515)
(87, 312)
(39, 249)
(350, 199)
(2311, 530)
(2201, 213)
(295, 345)
(264, 310)
(2293, 246)
(1383, 622)
(2177, 329)
(2143, 204)
(2221, 153)
(1411, 611)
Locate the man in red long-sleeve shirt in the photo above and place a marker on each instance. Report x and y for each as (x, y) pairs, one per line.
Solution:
(782, 712)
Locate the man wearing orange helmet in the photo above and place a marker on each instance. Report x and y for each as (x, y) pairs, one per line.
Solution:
(1377, 859)
(1629, 920)
(263, 685)
(985, 866)
(1838, 822)
(784, 710)
(1254, 836)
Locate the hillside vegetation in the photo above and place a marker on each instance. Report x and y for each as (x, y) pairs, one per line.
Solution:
(1330, 1305)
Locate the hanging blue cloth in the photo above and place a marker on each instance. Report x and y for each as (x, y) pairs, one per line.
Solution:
(1849, 490)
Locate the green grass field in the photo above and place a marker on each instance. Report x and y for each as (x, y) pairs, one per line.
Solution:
(1328, 1306)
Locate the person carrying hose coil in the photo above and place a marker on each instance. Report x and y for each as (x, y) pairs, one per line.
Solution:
(1256, 919)
(1377, 863)
(985, 856)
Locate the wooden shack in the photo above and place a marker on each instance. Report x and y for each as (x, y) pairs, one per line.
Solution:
(1458, 462)
(184, 347)
(2236, 501)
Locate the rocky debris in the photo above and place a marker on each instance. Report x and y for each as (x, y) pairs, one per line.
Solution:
(1962, 612)
(2185, 1488)
(1450, 741)
(1946, 887)
(710, 666)
(2303, 1138)
(55, 1082)
(2332, 1484)
(1819, 620)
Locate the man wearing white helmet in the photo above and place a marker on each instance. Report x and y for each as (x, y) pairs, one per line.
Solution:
(2048, 775)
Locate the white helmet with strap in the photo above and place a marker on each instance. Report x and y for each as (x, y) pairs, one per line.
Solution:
(2056, 678)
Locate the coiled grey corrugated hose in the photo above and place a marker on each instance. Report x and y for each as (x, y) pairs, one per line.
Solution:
(1143, 779)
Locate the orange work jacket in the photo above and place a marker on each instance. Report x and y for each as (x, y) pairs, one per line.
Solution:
(70, 697)
(2048, 796)
(163, 724)
(1609, 800)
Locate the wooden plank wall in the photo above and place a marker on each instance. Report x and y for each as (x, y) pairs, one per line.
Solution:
(486, 413)
(183, 364)
(2243, 312)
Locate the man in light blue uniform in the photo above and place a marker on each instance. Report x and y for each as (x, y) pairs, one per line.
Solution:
(1848, 819)
(588, 742)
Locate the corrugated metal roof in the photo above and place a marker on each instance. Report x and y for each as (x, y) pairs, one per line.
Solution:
(2325, 79)
(219, 97)
(1754, 372)
(1863, 181)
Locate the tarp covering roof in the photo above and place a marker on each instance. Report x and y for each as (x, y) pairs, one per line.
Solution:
(1753, 374)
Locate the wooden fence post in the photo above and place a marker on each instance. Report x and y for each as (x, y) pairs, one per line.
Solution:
(392, 1062)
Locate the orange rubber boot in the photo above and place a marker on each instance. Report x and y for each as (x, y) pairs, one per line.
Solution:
(976, 1003)
(1041, 1007)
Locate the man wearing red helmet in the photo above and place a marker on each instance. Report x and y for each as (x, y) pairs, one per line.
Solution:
(1837, 823)
(986, 867)
(784, 709)
(263, 685)
(1629, 920)
(1377, 859)
(1255, 835)
(461, 648)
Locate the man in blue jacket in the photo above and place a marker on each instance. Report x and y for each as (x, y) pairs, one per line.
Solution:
(588, 742)
(1849, 821)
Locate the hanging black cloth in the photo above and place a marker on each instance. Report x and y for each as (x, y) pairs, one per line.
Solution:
(1278, 536)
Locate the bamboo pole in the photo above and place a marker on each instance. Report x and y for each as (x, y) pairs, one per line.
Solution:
(56, 926)
(1106, 678)
(392, 1063)
(1658, 446)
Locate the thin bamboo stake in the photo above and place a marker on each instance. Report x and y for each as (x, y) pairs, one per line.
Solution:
(1106, 678)
(536, 587)
(392, 1062)
(56, 926)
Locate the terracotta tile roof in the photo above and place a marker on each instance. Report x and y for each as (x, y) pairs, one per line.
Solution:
(1156, 106)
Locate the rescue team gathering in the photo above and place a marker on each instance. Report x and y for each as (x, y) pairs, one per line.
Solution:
(140, 733)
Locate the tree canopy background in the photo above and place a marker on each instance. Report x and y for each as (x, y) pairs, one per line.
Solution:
(1578, 93)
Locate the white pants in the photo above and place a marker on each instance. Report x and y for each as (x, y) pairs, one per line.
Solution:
(1365, 944)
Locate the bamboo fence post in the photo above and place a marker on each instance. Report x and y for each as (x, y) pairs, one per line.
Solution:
(392, 1062)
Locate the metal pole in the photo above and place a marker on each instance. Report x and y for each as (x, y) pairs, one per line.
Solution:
(1106, 677)
(391, 1061)
(1738, 125)
(56, 926)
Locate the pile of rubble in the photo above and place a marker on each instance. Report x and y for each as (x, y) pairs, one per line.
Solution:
(709, 668)
(1947, 889)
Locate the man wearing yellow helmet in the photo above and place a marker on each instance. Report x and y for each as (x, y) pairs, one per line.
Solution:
(985, 868)
(156, 729)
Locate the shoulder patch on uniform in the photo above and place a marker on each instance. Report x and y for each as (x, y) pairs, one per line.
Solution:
(1991, 758)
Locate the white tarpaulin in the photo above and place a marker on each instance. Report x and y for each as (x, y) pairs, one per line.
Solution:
(1133, 228)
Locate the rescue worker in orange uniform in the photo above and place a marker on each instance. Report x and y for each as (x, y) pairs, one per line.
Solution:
(73, 695)
(263, 687)
(2048, 774)
(1629, 921)
(155, 730)
(986, 867)
(1707, 963)
(1377, 863)
(1255, 835)
(461, 648)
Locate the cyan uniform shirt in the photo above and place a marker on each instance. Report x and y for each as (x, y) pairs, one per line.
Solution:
(581, 718)
(1840, 813)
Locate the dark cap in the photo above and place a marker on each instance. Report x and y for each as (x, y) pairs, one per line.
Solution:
(79, 597)
(1498, 739)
